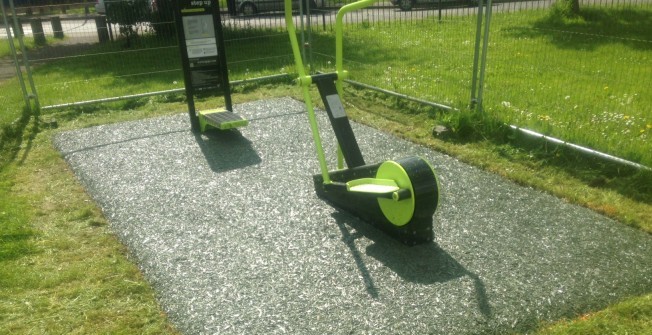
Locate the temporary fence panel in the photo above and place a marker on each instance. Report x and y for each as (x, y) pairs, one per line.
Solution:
(424, 54)
(584, 79)
(131, 49)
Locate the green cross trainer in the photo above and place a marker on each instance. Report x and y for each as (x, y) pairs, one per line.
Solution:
(397, 196)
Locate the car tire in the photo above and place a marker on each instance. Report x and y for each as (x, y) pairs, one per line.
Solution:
(405, 5)
(248, 8)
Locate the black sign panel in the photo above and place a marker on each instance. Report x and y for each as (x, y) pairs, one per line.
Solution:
(201, 44)
(201, 48)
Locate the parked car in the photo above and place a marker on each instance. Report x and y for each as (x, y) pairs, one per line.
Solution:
(252, 7)
(407, 5)
(100, 6)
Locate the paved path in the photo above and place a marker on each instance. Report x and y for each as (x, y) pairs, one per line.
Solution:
(230, 233)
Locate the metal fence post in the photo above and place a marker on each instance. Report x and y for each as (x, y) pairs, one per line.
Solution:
(26, 94)
(102, 30)
(18, 27)
(37, 31)
(483, 61)
(56, 27)
(476, 54)
(480, 57)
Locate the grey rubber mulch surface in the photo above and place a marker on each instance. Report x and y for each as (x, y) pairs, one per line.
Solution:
(229, 231)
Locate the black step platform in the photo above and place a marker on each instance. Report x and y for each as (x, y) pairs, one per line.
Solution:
(221, 119)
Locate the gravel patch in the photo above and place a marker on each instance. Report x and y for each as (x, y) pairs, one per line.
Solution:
(229, 231)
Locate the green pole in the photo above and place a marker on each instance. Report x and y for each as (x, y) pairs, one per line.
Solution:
(305, 81)
(339, 28)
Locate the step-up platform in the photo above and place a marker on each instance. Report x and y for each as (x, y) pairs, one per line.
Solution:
(220, 119)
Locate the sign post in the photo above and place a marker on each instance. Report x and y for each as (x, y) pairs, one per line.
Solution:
(201, 43)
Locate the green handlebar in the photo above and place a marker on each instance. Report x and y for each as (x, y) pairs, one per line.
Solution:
(305, 84)
(339, 33)
(305, 80)
(293, 40)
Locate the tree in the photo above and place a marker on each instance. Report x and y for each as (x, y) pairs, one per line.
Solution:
(574, 7)
(128, 14)
(162, 19)
(567, 8)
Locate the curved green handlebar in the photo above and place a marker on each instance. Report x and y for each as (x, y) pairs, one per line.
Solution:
(338, 35)
(339, 28)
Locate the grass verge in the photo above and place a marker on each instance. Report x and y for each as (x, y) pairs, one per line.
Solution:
(622, 193)
(62, 270)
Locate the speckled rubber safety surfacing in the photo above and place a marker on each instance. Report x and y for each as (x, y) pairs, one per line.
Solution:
(229, 231)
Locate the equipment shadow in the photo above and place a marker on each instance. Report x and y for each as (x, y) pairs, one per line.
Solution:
(226, 150)
(424, 264)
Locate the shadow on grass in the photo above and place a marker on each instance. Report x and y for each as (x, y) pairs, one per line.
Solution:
(594, 27)
(17, 244)
(12, 136)
(592, 170)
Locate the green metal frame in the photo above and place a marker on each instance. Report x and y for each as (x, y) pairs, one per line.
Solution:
(305, 80)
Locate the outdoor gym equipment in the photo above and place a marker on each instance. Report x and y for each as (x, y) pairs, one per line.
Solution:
(399, 197)
(203, 59)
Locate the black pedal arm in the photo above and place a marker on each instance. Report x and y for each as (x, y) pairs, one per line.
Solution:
(339, 120)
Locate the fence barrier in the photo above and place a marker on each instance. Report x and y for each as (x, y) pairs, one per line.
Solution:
(561, 78)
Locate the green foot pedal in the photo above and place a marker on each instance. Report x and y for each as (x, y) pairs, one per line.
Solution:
(221, 119)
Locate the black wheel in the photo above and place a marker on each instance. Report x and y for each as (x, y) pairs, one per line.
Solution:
(406, 5)
(248, 8)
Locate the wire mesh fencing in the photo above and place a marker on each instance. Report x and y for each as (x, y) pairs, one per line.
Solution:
(582, 77)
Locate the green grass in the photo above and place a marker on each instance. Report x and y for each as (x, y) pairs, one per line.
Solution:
(632, 317)
(151, 65)
(584, 80)
(5, 48)
(63, 271)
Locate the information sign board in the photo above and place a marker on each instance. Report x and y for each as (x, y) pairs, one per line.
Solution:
(201, 43)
